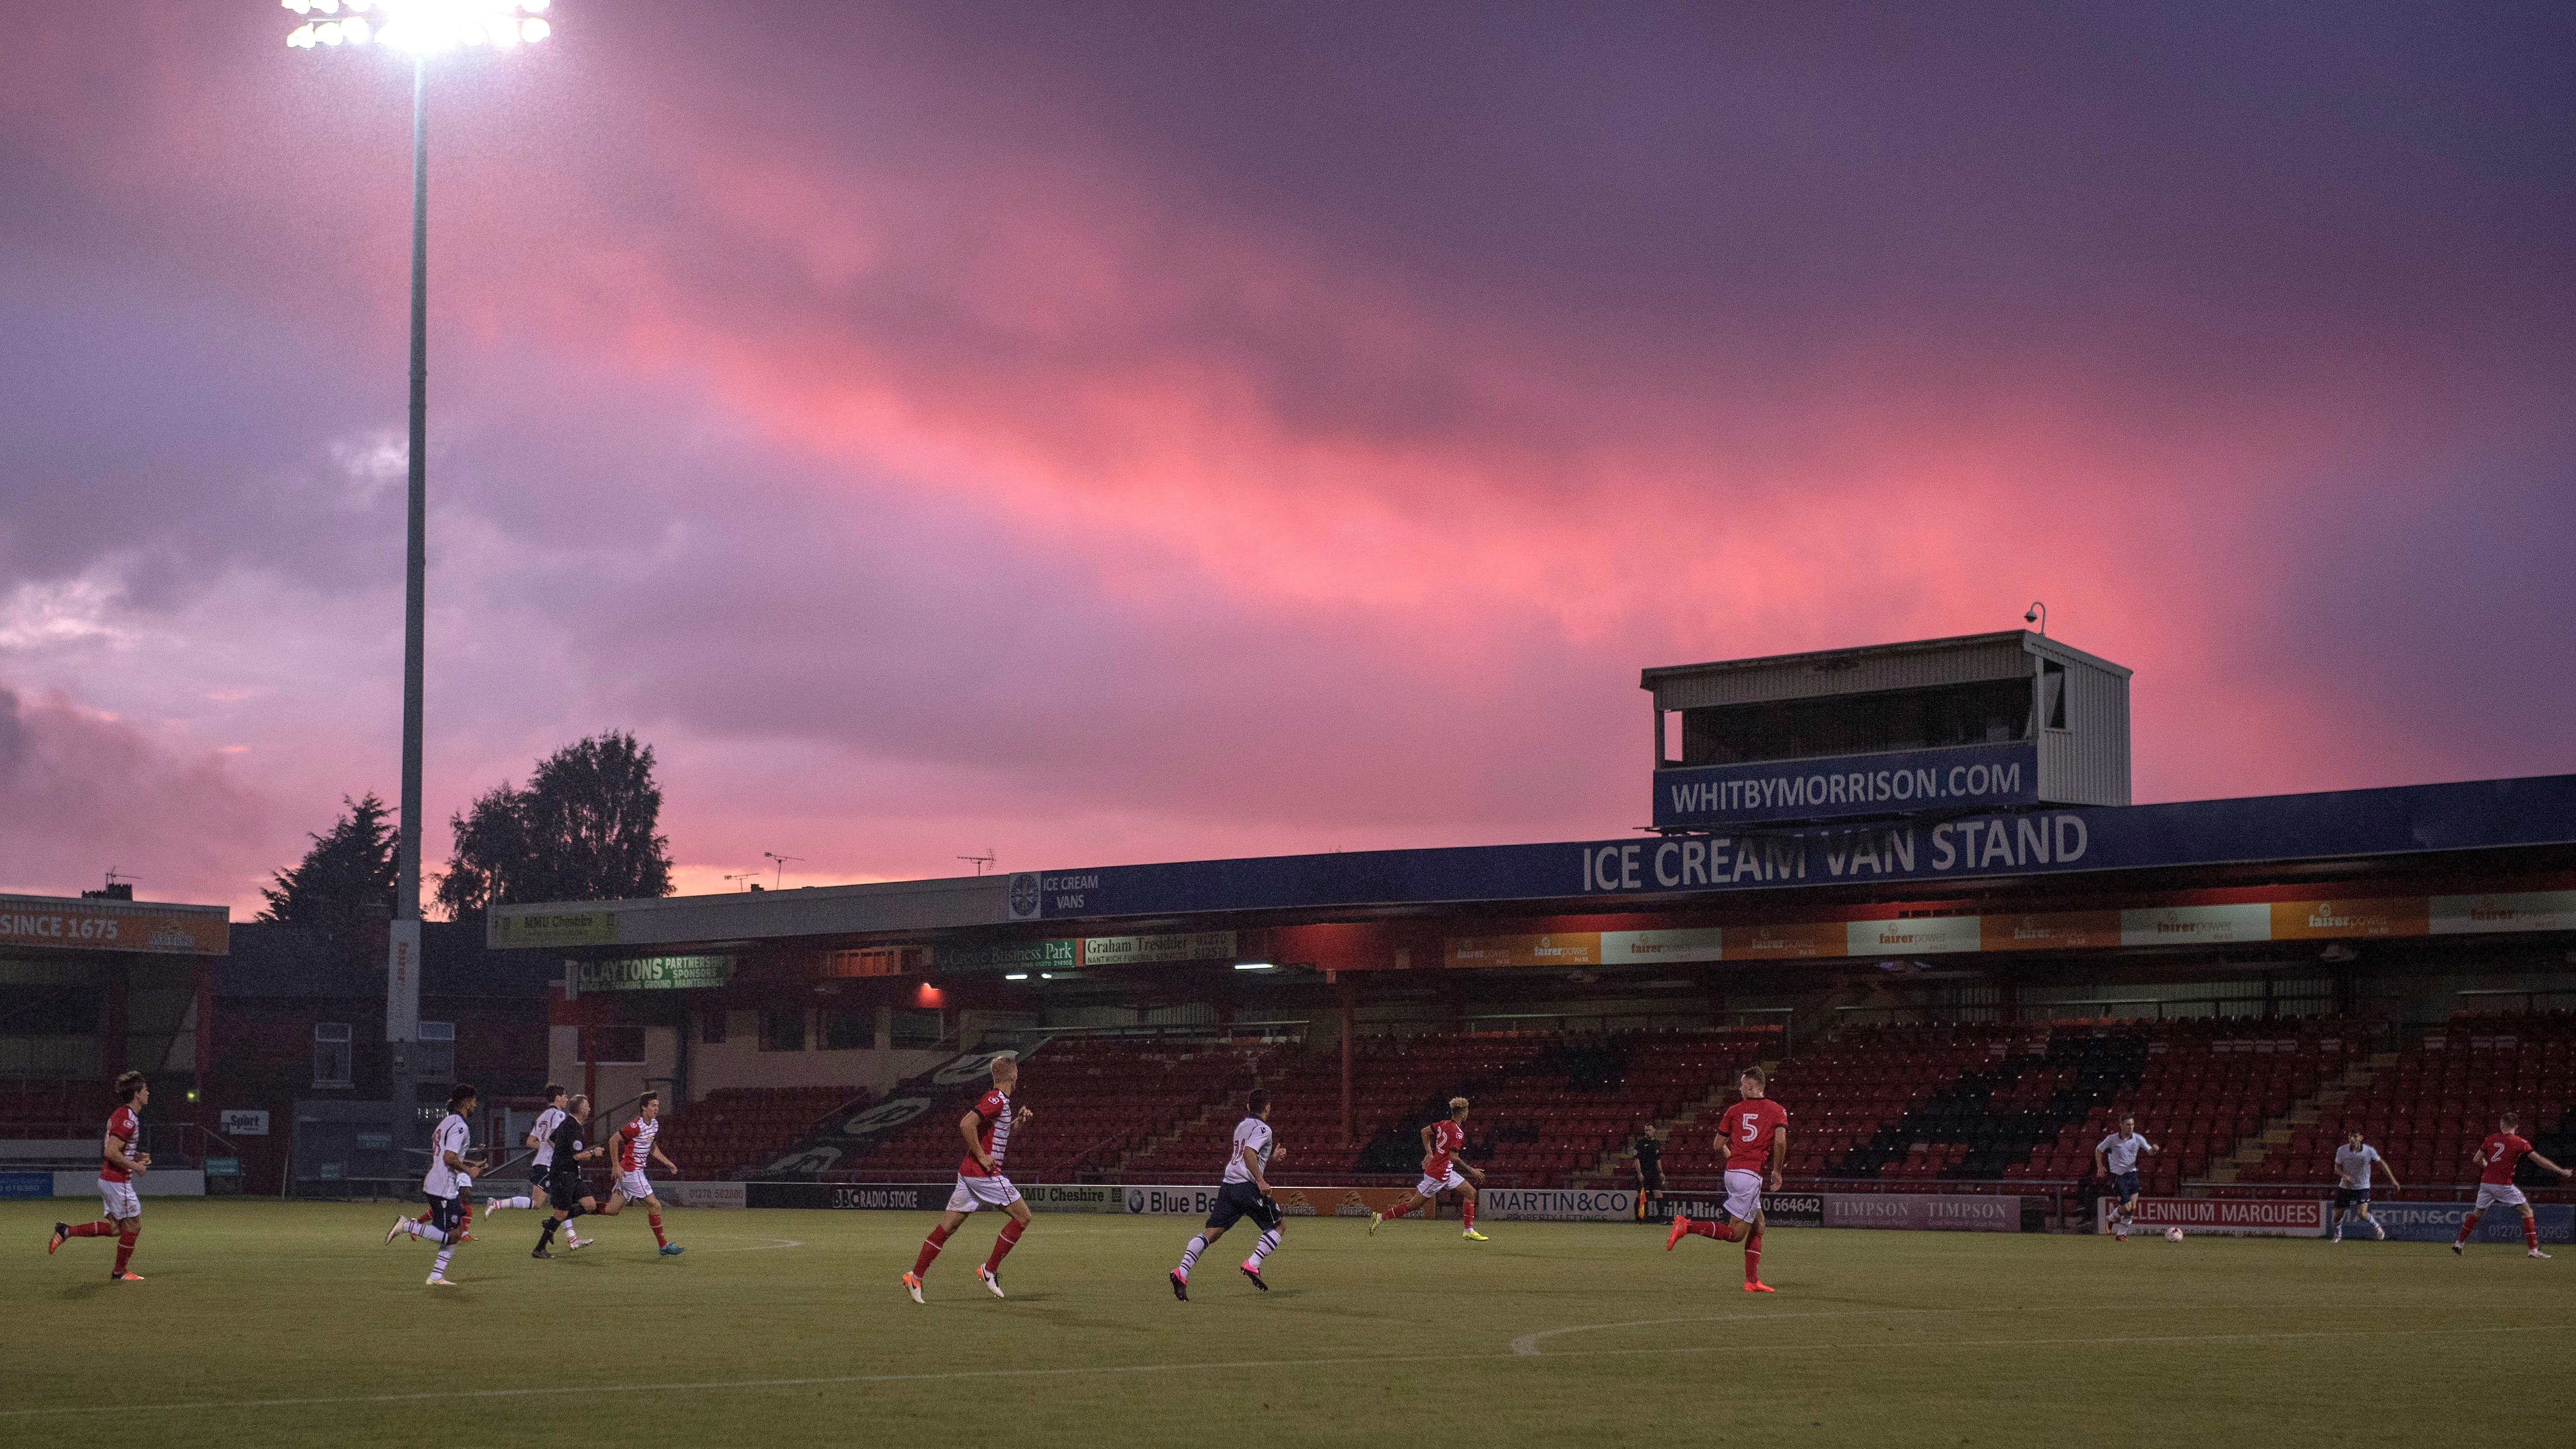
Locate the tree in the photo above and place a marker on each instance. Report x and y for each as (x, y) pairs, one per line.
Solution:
(349, 868)
(584, 829)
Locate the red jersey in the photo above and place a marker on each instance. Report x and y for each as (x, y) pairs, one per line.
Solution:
(124, 1126)
(992, 1134)
(1747, 1128)
(635, 1144)
(1446, 1137)
(2502, 1151)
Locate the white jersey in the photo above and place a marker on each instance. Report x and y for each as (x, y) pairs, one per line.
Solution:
(2353, 1168)
(547, 1121)
(451, 1136)
(2122, 1152)
(1254, 1133)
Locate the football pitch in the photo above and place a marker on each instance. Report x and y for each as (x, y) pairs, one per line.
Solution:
(294, 1324)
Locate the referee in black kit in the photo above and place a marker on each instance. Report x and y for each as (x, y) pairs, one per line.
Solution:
(1649, 1157)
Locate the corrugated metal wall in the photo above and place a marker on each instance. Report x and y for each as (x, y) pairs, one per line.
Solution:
(1967, 664)
(2088, 762)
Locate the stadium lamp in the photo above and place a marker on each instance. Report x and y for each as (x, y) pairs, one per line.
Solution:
(2037, 613)
(1017, 976)
(419, 29)
(1255, 966)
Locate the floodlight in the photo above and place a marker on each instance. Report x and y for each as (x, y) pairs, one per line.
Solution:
(425, 27)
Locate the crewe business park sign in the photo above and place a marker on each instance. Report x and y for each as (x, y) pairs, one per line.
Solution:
(1932, 847)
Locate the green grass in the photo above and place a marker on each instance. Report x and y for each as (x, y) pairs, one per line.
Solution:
(1877, 1338)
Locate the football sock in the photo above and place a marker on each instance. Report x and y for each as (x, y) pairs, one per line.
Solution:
(2468, 1225)
(1268, 1245)
(1723, 1232)
(1190, 1254)
(1467, 1214)
(2531, 1232)
(1397, 1211)
(423, 1230)
(125, 1248)
(546, 1236)
(930, 1247)
(573, 1210)
(656, 1220)
(1003, 1242)
(1753, 1258)
(520, 1201)
(439, 1264)
(92, 1230)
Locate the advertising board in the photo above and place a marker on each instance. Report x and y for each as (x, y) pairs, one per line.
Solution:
(26, 1184)
(2260, 1218)
(242, 1122)
(2439, 1222)
(896, 1197)
(1558, 1205)
(1924, 1212)
(1978, 776)
(704, 1194)
(1779, 1210)
(1073, 1197)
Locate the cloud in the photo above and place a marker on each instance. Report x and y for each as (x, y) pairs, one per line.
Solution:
(83, 792)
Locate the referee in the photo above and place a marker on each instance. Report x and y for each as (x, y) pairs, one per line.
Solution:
(1649, 1157)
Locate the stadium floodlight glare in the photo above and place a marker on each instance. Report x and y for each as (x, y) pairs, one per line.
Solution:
(420, 29)
(1017, 976)
(1254, 966)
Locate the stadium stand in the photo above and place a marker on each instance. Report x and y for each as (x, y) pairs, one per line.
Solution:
(1547, 1105)
(1096, 1100)
(2428, 1107)
(738, 1127)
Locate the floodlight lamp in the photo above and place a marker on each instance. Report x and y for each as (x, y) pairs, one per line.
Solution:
(533, 31)
(300, 7)
(327, 7)
(1017, 976)
(355, 31)
(328, 32)
(301, 38)
(533, 7)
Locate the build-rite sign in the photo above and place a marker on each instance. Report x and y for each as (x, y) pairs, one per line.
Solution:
(2261, 1218)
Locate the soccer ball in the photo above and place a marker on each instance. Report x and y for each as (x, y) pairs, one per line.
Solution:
(2173, 1235)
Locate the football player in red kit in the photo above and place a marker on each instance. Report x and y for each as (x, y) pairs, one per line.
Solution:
(2495, 1159)
(118, 1161)
(1441, 1143)
(987, 1129)
(1756, 1133)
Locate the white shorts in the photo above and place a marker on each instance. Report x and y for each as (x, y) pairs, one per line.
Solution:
(1434, 1186)
(1743, 1194)
(118, 1199)
(634, 1186)
(2498, 1192)
(975, 1192)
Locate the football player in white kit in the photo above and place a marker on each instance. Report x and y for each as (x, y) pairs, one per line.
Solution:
(445, 1183)
(541, 1136)
(987, 1128)
(1243, 1193)
(2116, 1157)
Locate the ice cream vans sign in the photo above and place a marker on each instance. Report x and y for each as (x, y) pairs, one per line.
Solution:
(1976, 846)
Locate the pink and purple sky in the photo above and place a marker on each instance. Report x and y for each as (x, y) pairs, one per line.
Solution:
(1120, 432)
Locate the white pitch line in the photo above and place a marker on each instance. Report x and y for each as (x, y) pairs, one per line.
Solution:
(771, 1246)
(1258, 1363)
(1526, 1346)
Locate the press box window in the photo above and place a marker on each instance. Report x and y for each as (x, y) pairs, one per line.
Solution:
(2052, 694)
(847, 1028)
(918, 1029)
(614, 1046)
(782, 1030)
(331, 1054)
